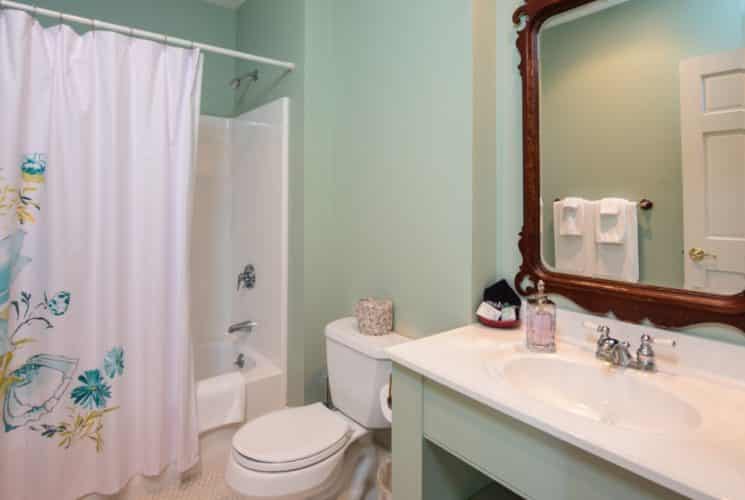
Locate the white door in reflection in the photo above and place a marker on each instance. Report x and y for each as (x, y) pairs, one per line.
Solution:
(713, 134)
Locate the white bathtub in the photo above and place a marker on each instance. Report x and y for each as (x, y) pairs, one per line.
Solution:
(228, 395)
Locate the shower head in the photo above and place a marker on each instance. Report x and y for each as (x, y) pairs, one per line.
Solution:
(252, 76)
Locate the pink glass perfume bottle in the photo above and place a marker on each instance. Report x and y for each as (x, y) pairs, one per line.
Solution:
(540, 325)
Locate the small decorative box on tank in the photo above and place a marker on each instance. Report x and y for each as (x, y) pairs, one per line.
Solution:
(374, 316)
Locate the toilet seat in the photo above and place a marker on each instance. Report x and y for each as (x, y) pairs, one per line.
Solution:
(291, 439)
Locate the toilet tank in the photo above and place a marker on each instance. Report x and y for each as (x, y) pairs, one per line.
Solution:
(358, 369)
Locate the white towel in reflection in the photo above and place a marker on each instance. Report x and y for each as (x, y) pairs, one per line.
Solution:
(574, 248)
(572, 214)
(617, 240)
(611, 221)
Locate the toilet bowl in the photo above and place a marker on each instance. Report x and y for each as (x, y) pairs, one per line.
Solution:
(289, 453)
(296, 450)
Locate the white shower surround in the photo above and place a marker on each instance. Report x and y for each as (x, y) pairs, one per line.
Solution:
(241, 217)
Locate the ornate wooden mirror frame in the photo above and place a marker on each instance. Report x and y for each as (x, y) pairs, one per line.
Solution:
(665, 307)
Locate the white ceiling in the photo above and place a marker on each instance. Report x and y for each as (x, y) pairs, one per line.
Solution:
(228, 4)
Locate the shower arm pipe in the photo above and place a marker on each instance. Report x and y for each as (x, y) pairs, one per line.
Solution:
(96, 24)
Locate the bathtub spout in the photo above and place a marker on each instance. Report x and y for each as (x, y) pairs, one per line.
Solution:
(243, 326)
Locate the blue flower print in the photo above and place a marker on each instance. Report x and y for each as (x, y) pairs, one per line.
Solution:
(59, 304)
(93, 393)
(113, 362)
(33, 167)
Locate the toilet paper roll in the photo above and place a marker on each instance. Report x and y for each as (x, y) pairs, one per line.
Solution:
(387, 412)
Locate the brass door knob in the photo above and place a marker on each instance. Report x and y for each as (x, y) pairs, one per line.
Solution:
(699, 254)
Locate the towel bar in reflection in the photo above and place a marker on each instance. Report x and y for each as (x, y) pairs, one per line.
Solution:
(644, 203)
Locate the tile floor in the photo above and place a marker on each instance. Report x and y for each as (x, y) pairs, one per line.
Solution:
(209, 484)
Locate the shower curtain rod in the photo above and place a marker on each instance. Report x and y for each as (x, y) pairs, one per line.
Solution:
(146, 34)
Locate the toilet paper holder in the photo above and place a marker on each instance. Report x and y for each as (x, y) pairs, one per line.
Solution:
(390, 391)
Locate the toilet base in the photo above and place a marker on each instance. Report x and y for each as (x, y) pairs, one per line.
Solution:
(316, 481)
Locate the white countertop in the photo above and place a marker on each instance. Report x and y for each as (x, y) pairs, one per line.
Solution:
(707, 462)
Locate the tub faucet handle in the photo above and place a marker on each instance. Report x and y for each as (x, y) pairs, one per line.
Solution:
(247, 279)
(240, 361)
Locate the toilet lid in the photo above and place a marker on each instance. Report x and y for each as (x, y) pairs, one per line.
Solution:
(294, 435)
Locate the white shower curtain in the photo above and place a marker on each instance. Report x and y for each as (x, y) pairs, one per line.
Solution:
(96, 155)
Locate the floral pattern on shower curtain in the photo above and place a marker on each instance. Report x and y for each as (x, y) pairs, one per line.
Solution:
(97, 135)
(31, 393)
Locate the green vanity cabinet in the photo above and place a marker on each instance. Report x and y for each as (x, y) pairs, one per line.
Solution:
(447, 446)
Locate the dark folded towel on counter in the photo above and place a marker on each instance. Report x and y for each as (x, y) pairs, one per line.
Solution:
(501, 293)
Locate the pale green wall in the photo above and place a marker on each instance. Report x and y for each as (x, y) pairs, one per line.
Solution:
(610, 113)
(189, 19)
(277, 29)
(400, 74)
(509, 215)
(388, 177)
(322, 299)
(484, 183)
(403, 157)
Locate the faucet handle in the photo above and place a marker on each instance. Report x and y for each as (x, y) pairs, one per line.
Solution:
(648, 339)
(645, 356)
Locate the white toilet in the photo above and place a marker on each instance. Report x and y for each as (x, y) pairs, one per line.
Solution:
(292, 453)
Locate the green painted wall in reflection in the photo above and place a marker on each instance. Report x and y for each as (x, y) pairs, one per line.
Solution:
(610, 117)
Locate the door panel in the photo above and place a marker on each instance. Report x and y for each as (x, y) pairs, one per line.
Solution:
(713, 145)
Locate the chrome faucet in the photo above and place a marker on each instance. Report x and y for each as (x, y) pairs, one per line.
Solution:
(243, 326)
(618, 353)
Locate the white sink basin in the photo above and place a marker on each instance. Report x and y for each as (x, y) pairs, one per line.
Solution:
(621, 398)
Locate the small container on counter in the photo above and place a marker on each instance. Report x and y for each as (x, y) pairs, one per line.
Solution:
(540, 322)
(500, 307)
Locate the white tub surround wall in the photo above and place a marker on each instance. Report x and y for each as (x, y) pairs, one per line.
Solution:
(240, 218)
(259, 225)
(211, 242)
(681, 427)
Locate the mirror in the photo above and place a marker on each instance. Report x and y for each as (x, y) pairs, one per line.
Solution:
(642, 142)
(636, 108)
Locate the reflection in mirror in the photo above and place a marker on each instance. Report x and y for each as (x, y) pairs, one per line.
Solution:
(645, 99)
